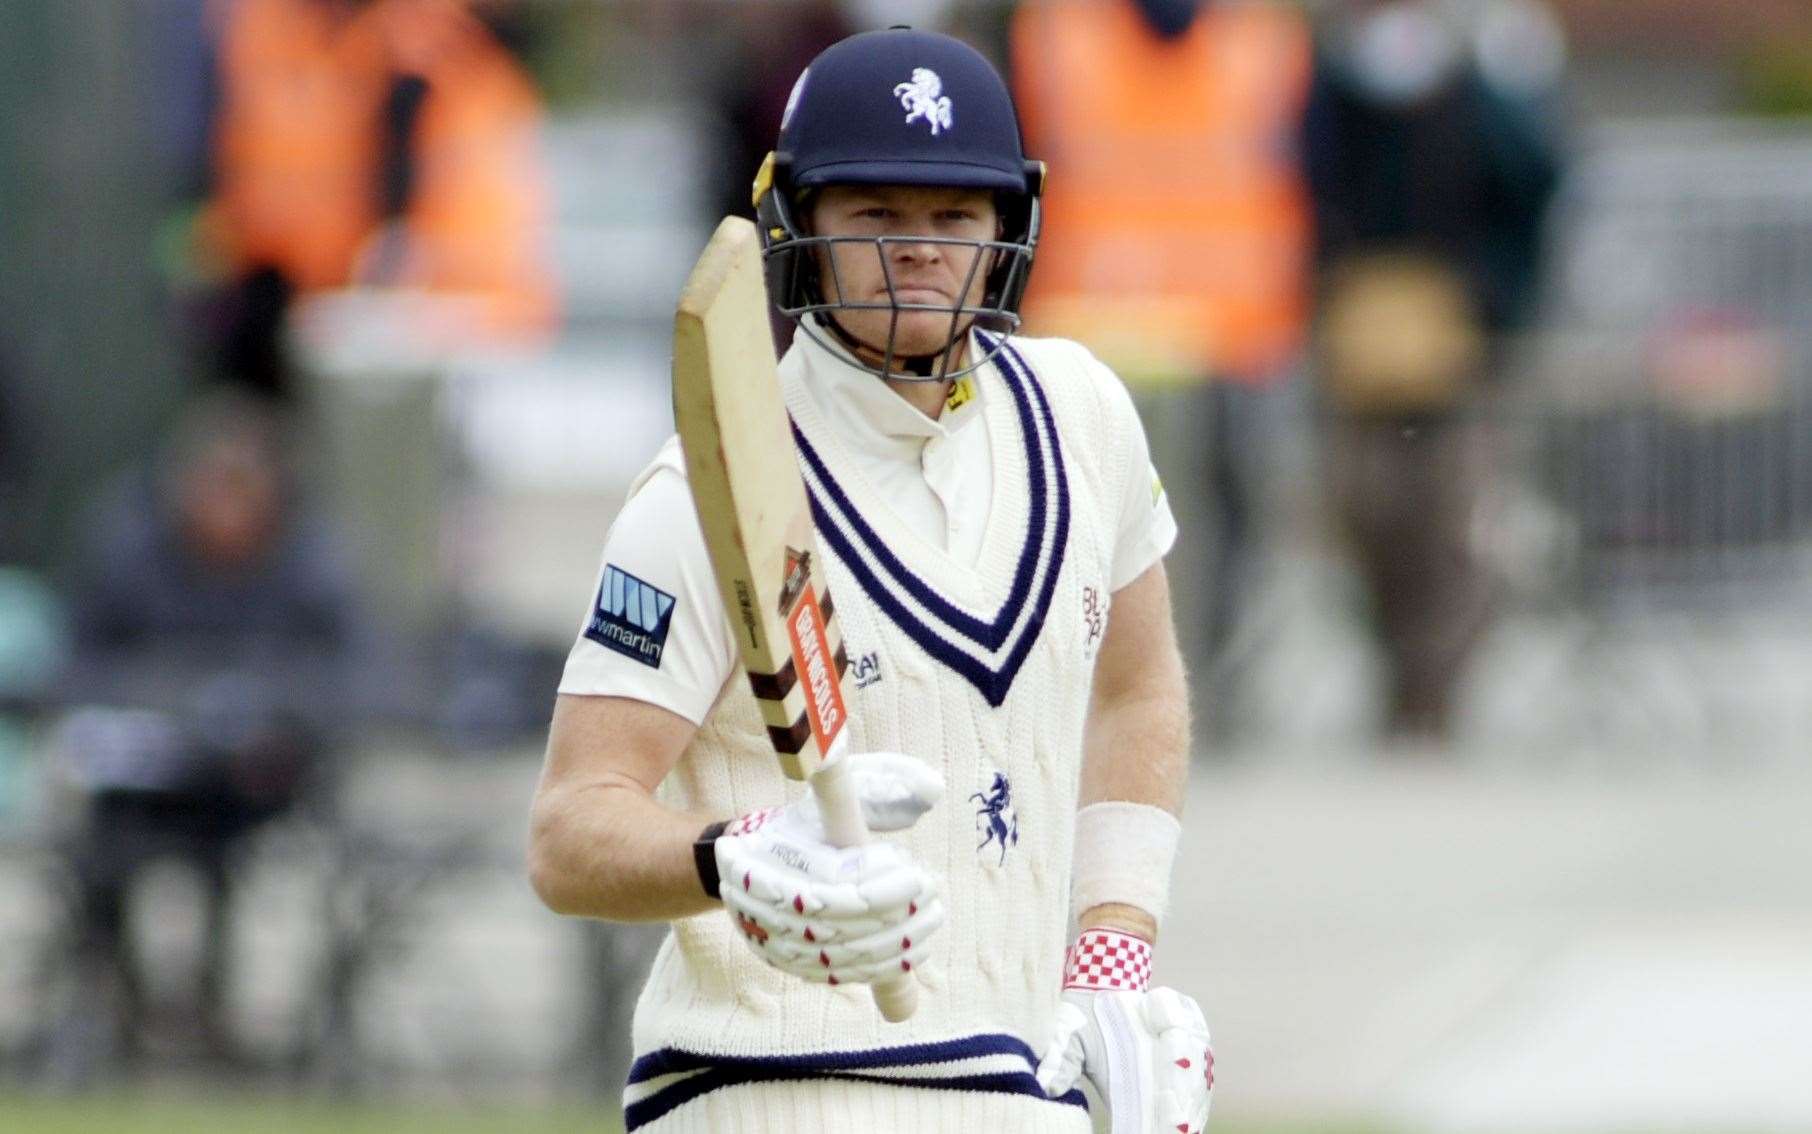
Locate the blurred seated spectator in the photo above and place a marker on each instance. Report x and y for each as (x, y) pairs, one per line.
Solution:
(381, 143)
(214, 629)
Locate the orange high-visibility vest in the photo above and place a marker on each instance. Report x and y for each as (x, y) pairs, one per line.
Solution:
(1176, 224)
(298, 145)
(297, 137)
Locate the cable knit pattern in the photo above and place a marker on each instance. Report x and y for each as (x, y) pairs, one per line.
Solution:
(1000, 841)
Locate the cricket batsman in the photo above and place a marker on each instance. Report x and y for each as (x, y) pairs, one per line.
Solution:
(993, 534)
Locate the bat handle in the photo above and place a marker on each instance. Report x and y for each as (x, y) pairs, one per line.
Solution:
(841, 808)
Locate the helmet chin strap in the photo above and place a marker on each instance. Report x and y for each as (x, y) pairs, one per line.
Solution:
(909, 368)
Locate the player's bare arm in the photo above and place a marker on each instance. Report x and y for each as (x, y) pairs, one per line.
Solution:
(1136, 748)
(1146, 1049)
(600, 844)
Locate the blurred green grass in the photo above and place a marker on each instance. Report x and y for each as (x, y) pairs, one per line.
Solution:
(276, 1114)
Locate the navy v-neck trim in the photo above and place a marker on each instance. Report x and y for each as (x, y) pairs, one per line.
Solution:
(948, 633)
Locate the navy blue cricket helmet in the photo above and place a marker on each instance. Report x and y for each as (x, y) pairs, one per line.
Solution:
(900, 107)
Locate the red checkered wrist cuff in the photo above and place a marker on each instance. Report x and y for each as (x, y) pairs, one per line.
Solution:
(1107, 958)
(752, 822)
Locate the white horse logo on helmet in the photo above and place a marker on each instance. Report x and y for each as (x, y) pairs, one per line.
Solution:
(924, 97)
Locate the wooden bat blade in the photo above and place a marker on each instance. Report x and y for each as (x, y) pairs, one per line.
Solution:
(752, 507)
(751, 502)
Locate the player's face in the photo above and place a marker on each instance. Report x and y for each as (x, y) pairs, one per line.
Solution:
(904, 272)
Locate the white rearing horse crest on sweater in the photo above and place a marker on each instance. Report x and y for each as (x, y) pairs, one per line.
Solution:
(923, 97)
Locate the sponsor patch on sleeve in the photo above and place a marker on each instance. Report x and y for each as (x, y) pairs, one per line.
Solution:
(1157, 487)
(630, 617)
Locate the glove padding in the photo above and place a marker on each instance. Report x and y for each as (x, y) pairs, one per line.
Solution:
(1147, 1052)
(837, 916)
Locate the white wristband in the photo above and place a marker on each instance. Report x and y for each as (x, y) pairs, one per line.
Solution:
(1124, 853)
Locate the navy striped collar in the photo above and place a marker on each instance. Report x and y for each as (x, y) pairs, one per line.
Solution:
(986, 649)
(865, 412)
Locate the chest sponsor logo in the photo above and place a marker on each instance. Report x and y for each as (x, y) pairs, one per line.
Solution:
(1094, 619)
(631, 617)
(866, 669)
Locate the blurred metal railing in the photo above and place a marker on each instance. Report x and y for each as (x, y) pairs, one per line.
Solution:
(1660, 417)
(1661, 217)
(1672, 490)
(1672, 378)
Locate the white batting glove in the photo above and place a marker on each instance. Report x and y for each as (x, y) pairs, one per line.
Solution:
(1146, 1050)
(831, 915)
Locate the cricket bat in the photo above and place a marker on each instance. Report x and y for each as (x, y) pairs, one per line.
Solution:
(752, 506)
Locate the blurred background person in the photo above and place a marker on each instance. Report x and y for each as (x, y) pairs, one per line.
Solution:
(774, 41)
(1177, 250)
(376, 143)
(1430, 150)
(215, 632)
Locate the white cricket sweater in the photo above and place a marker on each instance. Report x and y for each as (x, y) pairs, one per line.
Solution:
(982, 669)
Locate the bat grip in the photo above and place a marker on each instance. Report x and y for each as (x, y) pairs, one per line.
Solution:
(841, 808)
